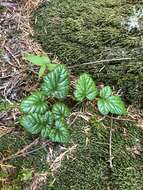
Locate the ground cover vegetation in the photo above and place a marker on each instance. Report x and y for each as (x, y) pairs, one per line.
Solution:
(87, 31)
(93, 41)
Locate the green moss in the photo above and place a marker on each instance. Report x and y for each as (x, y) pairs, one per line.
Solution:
(88, 168)
(89, 30)
(21, 167)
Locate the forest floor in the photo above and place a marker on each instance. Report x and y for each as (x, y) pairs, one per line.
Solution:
(30, 163)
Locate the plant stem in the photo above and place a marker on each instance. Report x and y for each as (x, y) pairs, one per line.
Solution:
(110, 145)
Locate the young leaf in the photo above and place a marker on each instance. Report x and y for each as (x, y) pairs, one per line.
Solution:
(103, 106)
(60, 111)
(42, 71)
(116, 105)
(85, 88)
(105, 92)
(34, 103)
(42, 61)
(33, 123)
(37, 60)
(51, 66)
(60, 133)
(56, 83)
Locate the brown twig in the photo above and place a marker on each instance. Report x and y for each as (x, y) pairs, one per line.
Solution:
(98, 62)
(8, 4)
(16, 60)
(20, 152)
(56, 163)
(5, 130)
(121, 119)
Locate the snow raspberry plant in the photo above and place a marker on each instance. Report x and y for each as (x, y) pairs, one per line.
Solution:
(39, 117)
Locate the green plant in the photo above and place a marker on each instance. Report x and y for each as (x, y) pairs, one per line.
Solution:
(43, 61)
(39, 117)
(108, 103)
(25, 175)
(91, 31)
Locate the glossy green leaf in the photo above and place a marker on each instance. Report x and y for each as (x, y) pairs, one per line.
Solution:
(56, 83)
(33, 123)
(60, 111)
(85, 88)
(60, 133)
(45, 132)
(37, 60)
(103, 106)
(49, 118)
(48, 122)
(116, 105)
(35, 103)
(112, 104)
(105, 92)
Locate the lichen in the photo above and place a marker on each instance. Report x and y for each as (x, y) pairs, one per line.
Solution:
(87, 30)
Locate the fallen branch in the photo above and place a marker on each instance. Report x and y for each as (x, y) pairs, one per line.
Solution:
(99, 62)
(56, 164)
(122, 119)
(8, 4)
(20, 152)
(16, 60)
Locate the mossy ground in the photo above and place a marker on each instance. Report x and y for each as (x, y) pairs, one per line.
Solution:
(88, 30)
(17, 172)
(77, 32)
(88, 168)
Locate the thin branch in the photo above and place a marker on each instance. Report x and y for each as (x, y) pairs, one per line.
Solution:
(8, 4)
(99, 62)
(122, 119)
(42, 147)
(20, 152)
(16, 60)
(110, 145)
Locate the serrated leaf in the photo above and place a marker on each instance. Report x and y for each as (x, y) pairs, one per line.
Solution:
(56, 83)
(105, 92)
(35, 103)
(60, 111)
(37, 60)
(45, 132)
(116, 105)
(33, 123)
(103, 106)
(49, 118)
(85, 88)
(60, 133)
(112, 104)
